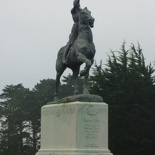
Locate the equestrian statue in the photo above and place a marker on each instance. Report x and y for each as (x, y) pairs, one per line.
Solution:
(79, 49)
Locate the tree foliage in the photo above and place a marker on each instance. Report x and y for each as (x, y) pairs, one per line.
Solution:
(126, 79)
(13, 120)
(126, 83)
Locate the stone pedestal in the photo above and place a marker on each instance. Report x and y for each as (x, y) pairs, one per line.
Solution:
(77, 128)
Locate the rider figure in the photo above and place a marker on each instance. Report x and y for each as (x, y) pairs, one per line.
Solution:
(74, 32)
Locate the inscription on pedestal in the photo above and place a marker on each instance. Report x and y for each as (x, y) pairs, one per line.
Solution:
(91, 131)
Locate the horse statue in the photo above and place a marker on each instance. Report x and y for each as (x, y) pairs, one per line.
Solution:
(82, 51)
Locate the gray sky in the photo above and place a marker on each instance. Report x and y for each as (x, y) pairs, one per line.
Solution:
(32, 32)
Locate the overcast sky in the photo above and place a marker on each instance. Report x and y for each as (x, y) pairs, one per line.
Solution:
(32, 32)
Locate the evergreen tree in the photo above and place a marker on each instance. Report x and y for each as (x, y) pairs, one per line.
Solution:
(127, 85)
(125, 79)
(12, 119)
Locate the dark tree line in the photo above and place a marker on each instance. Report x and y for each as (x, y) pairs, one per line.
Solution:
(125, 82)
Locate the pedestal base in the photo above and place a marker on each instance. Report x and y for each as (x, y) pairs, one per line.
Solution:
(73, 152)
(77, 128)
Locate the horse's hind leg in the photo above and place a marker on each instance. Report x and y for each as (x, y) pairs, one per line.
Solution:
(58, 75)
(85, 86)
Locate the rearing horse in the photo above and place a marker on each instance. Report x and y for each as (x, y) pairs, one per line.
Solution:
(82, 51)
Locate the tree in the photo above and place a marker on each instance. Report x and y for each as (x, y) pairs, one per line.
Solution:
(127, 85)
(12, 119)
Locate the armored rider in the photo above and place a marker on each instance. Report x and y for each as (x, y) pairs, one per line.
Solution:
(74, 32)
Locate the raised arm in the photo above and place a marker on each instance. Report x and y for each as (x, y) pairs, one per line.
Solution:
(76, 3)
(76, 6)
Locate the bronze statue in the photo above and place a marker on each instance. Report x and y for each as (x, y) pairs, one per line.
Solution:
(81, 48)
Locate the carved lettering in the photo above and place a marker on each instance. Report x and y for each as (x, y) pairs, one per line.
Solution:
(91, 129)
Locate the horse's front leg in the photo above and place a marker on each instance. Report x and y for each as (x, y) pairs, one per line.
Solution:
(85, 86)
(88, 63)
(74, 78)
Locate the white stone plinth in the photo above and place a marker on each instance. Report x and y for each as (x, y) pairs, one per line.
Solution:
(77, 128)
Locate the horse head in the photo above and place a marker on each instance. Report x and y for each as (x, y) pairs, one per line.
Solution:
(86, 18)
